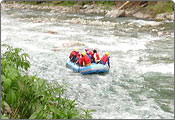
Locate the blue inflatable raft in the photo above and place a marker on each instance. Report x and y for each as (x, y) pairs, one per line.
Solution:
(93, 68)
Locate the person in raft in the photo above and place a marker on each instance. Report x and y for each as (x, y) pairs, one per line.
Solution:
(105, 59)
(77, 59)
(73, 55)
(84, 60)
(96, 58)
(90, 54)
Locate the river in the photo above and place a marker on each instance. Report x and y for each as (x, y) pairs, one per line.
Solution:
(140, 83)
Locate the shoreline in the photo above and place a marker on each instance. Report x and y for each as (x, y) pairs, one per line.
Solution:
(113, 12)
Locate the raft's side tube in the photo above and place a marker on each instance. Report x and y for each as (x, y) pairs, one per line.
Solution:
(93, 68)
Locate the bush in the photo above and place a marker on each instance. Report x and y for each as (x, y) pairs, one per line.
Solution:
(29, 97)
(161, 7)
(67, 3)
(106, 3)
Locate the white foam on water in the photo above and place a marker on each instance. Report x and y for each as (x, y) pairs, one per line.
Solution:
(31, 47)
(89, 17)
(4, 36)
(112, 43)
(163, 68)
(118, 47)
(141, 23)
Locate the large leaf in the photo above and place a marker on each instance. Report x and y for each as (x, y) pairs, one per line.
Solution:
(34, 115)
(26, 65)
(2, 103)
(37, 115)
(25, 56)
(11, 97)
(7, 84)
(3, 78)
(13, 74)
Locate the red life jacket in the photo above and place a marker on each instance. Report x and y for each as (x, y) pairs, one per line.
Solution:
(85, 59)
(89, 53)
(97, 56)
(73, 53)
(104, 58)
(78, 56)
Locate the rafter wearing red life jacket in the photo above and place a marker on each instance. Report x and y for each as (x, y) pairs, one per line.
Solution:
(77, 58)
(84, 60)
(73, 55)
(105, 59)
(90, 54)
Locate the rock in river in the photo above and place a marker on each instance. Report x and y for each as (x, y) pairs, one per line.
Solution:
(115, 13)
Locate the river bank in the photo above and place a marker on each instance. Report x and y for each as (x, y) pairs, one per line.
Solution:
(139, 12)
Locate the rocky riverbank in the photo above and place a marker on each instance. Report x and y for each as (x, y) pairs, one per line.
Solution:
(113, 12)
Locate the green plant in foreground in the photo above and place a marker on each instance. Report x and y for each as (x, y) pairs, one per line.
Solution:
(28, 97)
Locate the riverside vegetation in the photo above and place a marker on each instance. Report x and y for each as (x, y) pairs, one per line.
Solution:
(151, 10)
(151, 7)
(26, 96)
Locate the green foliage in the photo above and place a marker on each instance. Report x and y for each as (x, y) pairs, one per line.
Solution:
(4, 116)
(106, 3)
(29, 2)
(161, 7)
(85, 2)
(67, 3)
(12, 57)
(30, 97)
(52, 3)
